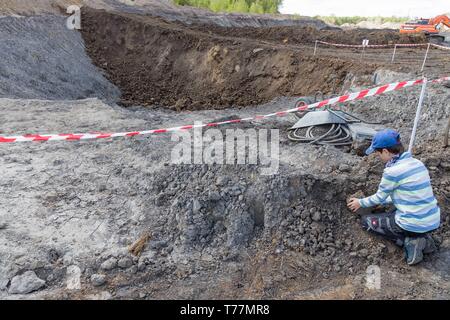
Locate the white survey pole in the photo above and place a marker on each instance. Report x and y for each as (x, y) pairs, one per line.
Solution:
(426, 55)
(365, 43)
(393, 55)
(315, 48)
(416, 120)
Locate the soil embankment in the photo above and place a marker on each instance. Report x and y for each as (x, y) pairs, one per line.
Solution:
(158, 62)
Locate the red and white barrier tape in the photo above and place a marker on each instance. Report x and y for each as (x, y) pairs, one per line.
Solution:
(345, 98)
(440, 47)
(384, 45)
(374, 45)
(411, 44)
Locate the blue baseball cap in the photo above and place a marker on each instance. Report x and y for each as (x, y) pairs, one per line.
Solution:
(384, 139)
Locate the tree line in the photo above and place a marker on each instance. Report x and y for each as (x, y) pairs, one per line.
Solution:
(243, 6)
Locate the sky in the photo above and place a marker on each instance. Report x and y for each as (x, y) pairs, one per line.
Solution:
(399, 8)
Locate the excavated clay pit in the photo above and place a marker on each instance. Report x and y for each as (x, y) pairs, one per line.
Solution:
(162, 63)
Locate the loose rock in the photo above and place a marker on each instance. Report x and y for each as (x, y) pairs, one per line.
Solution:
(98, 280)
(26, 283)
(109, 264)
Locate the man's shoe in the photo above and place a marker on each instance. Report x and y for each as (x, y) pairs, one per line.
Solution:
(430, 246)
(414, 249)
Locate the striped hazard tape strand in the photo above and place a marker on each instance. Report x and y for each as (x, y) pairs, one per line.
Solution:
(440, 47)
(374, 45)
(385, 45)
(345, 98)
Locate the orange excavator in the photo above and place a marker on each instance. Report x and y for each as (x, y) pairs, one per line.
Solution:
(436, 28)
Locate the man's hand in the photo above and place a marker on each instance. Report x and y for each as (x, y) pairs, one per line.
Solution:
(353, 204)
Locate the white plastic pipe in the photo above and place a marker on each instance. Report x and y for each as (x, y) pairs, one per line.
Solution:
(393, 55)
(315, 48)
(416, 120)
(426, 55)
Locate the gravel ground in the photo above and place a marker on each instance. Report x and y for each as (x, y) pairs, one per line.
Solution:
(42, 59)
(83, 203)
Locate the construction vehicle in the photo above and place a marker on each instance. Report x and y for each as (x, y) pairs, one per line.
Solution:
(436, 29)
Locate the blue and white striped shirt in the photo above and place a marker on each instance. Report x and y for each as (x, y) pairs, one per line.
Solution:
(406, 184)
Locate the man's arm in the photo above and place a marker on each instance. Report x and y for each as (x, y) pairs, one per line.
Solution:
(385, 189)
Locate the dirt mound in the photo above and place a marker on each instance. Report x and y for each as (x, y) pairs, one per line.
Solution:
(157, 62)
(36, 7)
(25, 7)
(42, 59)
(308, 34)
(159, 8)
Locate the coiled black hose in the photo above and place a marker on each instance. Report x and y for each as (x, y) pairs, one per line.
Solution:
(334, 134)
